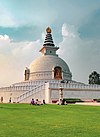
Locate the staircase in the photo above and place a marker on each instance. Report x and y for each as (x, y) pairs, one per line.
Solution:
(30, 93)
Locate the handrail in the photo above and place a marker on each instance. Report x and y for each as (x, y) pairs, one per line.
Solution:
(75, 86)
(29, 93)
(17, 88)
(54, 83)
(36, 82)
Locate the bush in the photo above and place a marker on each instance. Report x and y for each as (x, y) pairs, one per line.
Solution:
(73, 100)
(97, 100)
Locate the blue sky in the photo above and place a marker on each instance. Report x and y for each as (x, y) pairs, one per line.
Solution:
(76, 30)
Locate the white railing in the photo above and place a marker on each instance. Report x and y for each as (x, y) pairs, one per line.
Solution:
(74, 86)
(30, 93)
(35, 82)
(30, 83)
(27, 85)
(16, 88)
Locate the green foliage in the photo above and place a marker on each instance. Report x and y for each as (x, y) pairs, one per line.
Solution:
(94, 78)
(72, 100)
(97, 100)
(24, 120)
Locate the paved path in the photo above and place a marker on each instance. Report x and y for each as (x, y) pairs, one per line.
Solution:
(89, 103)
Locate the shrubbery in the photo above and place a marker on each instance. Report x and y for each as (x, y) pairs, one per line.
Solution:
(72, 100)
(97, 100)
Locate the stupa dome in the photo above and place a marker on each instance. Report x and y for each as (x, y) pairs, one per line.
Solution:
(46, 63)
(49, 65)
(44, 67)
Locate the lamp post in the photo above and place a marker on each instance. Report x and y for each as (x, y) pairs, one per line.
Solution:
(60, 94)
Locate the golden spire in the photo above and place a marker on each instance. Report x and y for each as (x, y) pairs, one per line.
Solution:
(48, 30)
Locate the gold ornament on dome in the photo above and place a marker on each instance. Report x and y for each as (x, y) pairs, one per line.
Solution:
(48, 30)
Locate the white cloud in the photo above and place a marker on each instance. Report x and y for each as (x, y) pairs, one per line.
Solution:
(43, 35)
(14, 57)
(67, 30)
(5, 37)
(25, 48)
(6, 18)
(81, 55)
(5, 44)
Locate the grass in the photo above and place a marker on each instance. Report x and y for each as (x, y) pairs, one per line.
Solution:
(24, 120)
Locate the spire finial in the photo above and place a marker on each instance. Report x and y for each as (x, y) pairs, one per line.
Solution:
(49, 47)
(48, 30)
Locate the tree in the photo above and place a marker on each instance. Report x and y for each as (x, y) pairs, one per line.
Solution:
(94, 78)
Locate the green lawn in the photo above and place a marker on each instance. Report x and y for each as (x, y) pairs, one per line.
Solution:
(24, 120)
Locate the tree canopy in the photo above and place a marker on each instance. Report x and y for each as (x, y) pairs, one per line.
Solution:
(94, 78)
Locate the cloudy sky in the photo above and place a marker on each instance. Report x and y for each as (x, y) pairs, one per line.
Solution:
(75, 28)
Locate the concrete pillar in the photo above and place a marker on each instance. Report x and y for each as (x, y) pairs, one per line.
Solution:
(47, 93)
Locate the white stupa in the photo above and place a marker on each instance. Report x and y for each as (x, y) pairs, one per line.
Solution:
(48, 78)
(49, 65)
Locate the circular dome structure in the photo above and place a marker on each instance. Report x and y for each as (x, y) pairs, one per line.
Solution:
(49, 65)
(46, 66)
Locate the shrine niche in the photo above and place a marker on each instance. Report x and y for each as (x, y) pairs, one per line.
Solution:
(27, 74)
(58, 73)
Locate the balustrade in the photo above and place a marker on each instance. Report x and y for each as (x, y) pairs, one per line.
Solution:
(74, 86)
(30, 92)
